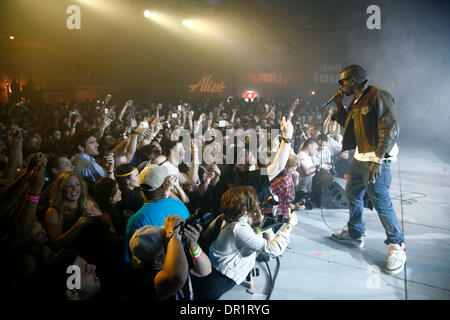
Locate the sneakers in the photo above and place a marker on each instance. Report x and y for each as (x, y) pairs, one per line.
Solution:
(396, 258)
(344, 237)
(396, 253)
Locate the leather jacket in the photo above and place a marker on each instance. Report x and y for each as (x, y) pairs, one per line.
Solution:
(370, 123)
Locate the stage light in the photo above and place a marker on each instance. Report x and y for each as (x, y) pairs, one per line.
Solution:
(187, 23)
(148, 14)
(313, 93)
(12, 37)
(250, 95)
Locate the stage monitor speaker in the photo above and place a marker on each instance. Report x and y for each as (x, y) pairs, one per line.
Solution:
(333, 197)
(328, 192)
(320, 181)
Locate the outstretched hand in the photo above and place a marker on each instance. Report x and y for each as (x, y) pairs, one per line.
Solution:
(287, 128)
(37, 175)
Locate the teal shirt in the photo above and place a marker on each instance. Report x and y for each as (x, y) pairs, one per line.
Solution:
(153, 214)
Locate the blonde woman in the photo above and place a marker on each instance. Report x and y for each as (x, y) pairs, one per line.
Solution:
(70, 209)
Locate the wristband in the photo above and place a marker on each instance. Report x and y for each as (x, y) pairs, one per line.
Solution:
(287, 140)
(198, 256)
(208, 181)
(196, 251)
(167, 193)
(32, 199)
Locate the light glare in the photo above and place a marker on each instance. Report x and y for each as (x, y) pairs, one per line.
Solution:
(147, 14)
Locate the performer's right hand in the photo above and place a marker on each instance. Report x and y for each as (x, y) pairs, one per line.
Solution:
(338, 96)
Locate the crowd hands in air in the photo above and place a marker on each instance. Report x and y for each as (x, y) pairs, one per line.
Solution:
(81, 181)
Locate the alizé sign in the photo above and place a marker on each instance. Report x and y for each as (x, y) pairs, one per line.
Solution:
(207, 85)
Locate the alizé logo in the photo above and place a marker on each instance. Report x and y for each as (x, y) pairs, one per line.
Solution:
(207, 85)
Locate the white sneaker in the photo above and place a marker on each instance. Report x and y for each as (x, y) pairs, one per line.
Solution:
(344, 237)
(396, 258)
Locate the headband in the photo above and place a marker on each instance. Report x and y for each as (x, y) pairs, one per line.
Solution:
(126, 174)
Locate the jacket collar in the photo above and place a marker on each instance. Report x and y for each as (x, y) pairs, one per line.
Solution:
(365, 89)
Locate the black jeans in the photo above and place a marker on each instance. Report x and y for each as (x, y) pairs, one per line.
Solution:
(213, 286)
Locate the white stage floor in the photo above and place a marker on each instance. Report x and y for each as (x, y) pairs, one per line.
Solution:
(314, 267)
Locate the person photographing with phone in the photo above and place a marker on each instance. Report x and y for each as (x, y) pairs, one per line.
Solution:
(233, 254)
(371, 128)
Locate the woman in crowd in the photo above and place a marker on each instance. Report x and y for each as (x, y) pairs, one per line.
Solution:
(233, 254)
(69, 209)
(127, 177)
(106, 194)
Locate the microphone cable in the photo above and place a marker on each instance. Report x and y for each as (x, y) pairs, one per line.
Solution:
(321, 162)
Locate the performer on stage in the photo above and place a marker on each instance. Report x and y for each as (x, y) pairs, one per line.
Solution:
(371, 128)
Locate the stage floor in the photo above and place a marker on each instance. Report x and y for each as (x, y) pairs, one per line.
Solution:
(314, 267)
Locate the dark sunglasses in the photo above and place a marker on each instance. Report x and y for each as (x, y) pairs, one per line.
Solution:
(341, 82)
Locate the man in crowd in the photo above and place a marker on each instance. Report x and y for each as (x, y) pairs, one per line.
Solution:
(156, 184)
(308, 168)
(323, 154)
(159, 263)
(284, 186)
(67, 276)
(84, 162)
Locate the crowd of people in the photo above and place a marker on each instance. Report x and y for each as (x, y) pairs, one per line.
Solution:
(108, 189)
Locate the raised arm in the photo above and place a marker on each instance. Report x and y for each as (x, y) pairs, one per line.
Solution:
(106, 122)
(24, 221)
(124, 109)
(202, 265)
(327, 121)
(282, 155)
(174, 273)
(15, 160)
(233, 115)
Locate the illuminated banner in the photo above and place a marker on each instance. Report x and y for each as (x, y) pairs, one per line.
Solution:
(207, 85)
(267, 77)
(327, 74)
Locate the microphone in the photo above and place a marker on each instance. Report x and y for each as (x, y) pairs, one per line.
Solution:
(328, 102)
(331, 99)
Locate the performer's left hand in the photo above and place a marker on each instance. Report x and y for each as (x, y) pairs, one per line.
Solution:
(374, 171)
